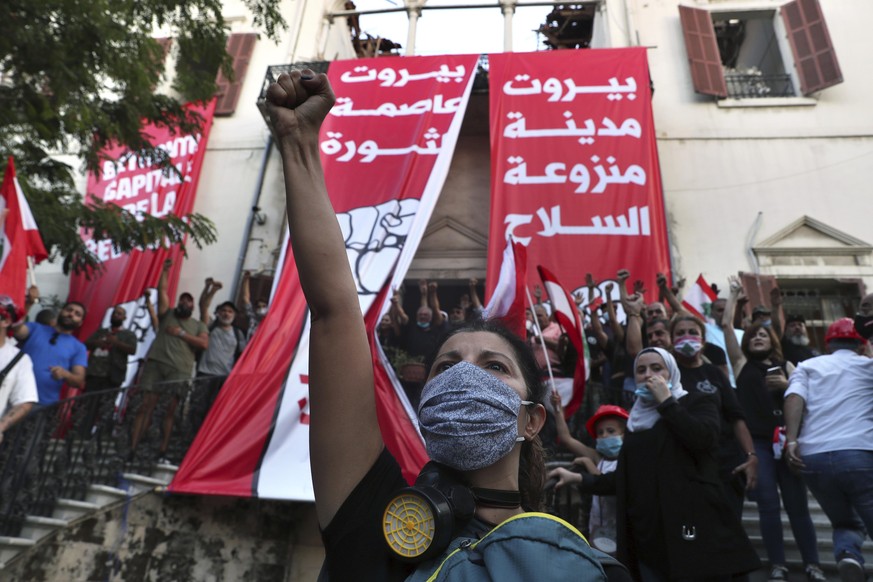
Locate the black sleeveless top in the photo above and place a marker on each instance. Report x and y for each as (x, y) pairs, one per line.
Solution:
(763, 407)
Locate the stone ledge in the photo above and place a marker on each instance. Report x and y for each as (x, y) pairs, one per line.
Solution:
(37, 527)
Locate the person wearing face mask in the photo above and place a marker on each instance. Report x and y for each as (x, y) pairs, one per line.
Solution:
(422, 335)
(673, 519)
(864, 318)
(607, 427)
(738, 463)
(256, 313)
(762, 378)
(479, 413)
(109, 348)
(170, 360)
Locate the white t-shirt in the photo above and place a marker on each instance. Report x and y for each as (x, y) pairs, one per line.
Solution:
(838, 392)
(19, 385)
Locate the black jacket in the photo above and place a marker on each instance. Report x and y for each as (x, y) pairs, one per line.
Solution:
(701, 533)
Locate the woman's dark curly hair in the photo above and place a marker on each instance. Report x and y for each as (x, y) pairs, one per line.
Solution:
(532, 470)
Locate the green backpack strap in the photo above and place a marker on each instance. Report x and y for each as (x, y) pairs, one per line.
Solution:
(522, 548)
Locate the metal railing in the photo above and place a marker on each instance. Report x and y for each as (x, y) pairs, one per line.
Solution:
(59, 451)
(751, 86)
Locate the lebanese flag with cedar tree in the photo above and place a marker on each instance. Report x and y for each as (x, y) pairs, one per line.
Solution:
(699, 299)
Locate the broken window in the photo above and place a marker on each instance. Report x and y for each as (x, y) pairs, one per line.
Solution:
(742, 55)
(572, 26)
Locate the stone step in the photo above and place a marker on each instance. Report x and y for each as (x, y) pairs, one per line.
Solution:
(37, 527)
(71, 509)
(140, 483)
(11, 547)
(102, 495)
(164, 472)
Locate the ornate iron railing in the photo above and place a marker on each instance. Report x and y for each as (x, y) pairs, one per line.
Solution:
(752, 86)
(59, 451)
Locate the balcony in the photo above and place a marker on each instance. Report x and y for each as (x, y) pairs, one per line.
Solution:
(758, 85)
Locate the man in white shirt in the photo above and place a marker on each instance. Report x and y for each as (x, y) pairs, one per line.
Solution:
(829, 437)
(18, 385)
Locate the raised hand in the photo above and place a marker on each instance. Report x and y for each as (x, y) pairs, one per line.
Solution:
(297, 103)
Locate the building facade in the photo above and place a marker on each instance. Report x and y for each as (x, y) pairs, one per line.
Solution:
(764, 135)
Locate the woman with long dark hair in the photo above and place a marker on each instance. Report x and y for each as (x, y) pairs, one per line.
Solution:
(762, 378)
(480, 410)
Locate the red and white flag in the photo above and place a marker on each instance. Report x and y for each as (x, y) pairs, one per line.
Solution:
(699, 299)
(507, 299)
(19, 237)
(386, 148)
(567, 316)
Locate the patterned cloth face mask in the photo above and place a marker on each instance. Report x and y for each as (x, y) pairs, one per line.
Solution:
(469, 418)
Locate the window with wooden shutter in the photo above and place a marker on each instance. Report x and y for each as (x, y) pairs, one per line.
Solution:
(240, 48)
(757, 288)
(814, 55)
(707, 73)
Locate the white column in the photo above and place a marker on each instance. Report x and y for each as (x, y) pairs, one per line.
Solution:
(508, 8)
(413, 10)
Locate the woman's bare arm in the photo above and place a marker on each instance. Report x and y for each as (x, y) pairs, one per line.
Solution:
(344, 432)
(738, 360)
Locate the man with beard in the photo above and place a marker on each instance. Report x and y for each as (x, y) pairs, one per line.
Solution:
(795, 342)
(170, 361)
(109, 347)
(57, 356)
(226, 343)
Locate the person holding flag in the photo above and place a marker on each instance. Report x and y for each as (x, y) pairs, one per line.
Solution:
(567, 316)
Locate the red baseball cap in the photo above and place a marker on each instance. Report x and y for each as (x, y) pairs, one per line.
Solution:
(602, 412)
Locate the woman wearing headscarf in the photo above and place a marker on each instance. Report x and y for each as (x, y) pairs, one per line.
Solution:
(673, 520)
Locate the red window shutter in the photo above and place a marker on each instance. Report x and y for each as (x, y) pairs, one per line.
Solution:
(814, 55)
(757, 288)
(707, 72)
(240, 48)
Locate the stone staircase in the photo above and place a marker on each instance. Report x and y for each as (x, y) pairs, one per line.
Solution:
(67, 512)
(792, 553)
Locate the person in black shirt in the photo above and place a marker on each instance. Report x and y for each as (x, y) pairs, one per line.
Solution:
(762, 378)
(481, 410)
(738, 464)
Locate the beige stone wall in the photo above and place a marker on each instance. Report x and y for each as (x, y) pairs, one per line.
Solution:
(181, 538)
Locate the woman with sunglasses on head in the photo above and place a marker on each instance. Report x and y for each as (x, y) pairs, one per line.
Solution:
(762, 378)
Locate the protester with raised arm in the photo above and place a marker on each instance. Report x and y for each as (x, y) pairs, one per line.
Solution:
(479, 412)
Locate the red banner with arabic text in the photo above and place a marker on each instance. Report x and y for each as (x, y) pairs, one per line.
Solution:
(386, 147)
(574, 165)
(140, 188)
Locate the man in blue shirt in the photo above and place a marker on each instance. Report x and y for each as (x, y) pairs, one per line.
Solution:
(57, 356)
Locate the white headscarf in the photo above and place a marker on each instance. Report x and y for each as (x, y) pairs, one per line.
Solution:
(644, 414)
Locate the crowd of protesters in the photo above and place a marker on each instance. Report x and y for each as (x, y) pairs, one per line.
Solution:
(729, 371)
(676, 407)
(42, 362)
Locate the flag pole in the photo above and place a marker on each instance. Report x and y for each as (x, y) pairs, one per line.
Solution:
(540, 334)
(30, 274)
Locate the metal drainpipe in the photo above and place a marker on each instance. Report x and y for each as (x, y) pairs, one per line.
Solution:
(256, 199)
